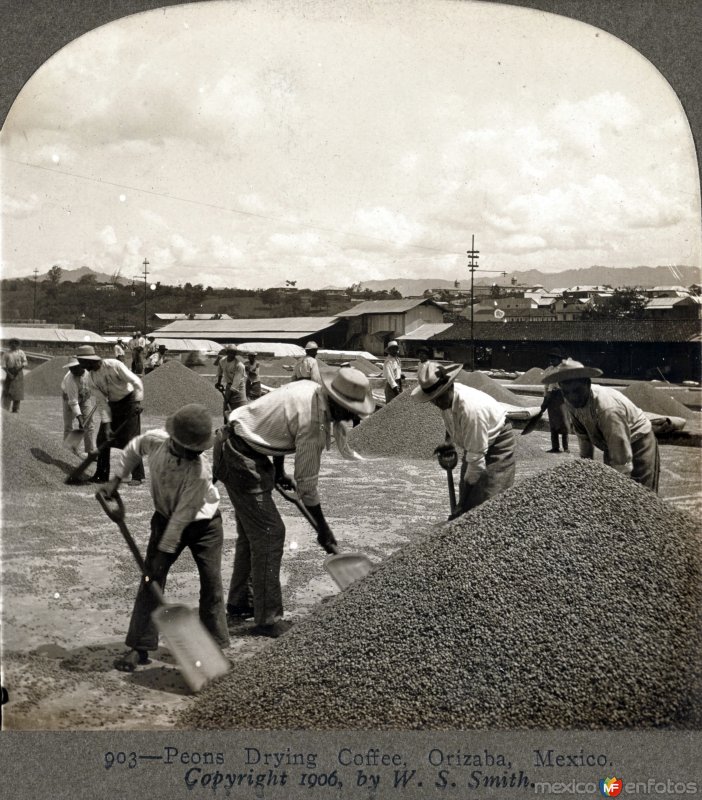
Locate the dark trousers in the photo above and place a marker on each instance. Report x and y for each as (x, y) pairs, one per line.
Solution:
(249, 479)
(122, 412)
(554, 440)
(204, 539)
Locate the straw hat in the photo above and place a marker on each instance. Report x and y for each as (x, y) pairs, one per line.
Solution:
(434, 380)
(191, 427)
(569, 370)
(86, 352)
(350, 388)
(73, 363)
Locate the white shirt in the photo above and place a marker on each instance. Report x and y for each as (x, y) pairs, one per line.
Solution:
(119, 351)
(307, 369)
(115, 381)
(392, 370)
(473, 422)
(232, 373)
(291, 419)
(182, 489)
(609, 421)
(76, 391)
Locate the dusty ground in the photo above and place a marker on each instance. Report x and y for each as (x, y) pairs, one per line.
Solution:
(69, 580)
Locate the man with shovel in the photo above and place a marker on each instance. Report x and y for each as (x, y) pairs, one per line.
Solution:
(299, 418)
(123, 392)
(476, 423)
(78, 404)
(186, 515)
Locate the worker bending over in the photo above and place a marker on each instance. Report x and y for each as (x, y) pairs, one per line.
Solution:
(297, 418)
(186, 515)
(477, 424)
(123, 393)
(603, 418)
(79, 404)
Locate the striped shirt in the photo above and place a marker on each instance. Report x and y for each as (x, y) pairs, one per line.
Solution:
(307, 369)
(76, 391)
(181, 488)
(232, 373)
(291, 419)
(610, 422)
(114, 381)
(473, 422)
(392, 370)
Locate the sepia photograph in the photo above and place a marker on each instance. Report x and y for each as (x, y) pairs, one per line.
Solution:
(351, 382)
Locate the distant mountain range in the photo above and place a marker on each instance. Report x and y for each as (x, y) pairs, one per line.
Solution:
(74, 275)
(646, 277)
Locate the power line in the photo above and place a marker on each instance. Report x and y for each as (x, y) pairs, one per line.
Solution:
(204, 204)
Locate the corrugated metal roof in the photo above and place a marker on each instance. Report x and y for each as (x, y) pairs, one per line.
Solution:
(645, 330)
(263, 328)
(68, 335)
(426, 331)
(669, 302)
(386, 306)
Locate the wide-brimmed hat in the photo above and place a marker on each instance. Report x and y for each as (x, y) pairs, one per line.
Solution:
(231, 348)
(191, 427)
(311, 345)
(434, 380)
(350, 388)
(569, 370)
(557, 352)
(162, 347)
(73, 363)
(86, 352)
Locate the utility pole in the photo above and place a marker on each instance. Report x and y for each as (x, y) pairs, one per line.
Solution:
(473, 255)
(145, 264)
(36, 276)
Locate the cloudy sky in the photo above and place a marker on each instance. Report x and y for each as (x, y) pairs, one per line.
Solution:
(246, 144)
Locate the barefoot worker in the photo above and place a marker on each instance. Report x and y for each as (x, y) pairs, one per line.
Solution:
(186, 515)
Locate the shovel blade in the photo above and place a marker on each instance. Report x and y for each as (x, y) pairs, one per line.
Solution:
(73, 439)
(196, 653)
(347, 568)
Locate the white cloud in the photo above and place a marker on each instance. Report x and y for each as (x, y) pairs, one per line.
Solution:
(391, 226)
(20, 207)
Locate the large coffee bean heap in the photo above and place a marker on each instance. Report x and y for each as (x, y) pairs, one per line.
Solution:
(572, 600)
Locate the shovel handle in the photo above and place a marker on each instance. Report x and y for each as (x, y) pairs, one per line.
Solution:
(293, 498)
(112, 506)
(117, 514)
